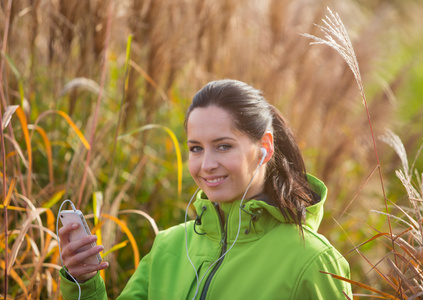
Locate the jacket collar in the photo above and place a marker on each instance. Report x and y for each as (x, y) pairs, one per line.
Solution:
(256, 216)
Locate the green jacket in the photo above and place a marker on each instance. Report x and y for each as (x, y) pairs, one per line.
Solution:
(270, 259)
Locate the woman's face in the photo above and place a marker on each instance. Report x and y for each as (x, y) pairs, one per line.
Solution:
(222, 161)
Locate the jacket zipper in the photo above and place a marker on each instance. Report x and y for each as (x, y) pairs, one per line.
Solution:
(216, 267)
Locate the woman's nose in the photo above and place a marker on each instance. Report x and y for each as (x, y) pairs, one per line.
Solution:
(209, 162)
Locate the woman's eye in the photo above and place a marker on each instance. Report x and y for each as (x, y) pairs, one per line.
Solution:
(224, 147)
(195, 149)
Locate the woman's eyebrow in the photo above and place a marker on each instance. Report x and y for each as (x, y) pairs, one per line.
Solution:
(223, 138)
(192, 142)
(214, 141)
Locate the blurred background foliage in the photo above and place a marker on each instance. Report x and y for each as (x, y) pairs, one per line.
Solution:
(55, 52)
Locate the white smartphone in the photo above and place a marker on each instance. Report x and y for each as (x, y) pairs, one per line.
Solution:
(76, 216)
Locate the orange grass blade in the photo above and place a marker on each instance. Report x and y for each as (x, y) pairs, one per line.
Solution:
(175, 143)
(13, 208)
(9, 155)
(96, 227)
(369, 240)
(48, 149)
(9, 192)
(362, 285)
(128, 233)
(22, 118)
(368, 296)
(75, 128)
(69, 121)
(2, 245)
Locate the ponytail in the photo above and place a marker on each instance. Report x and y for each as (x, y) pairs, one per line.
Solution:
(286, 179)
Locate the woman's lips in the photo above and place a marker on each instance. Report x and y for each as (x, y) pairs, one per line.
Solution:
(215, 181)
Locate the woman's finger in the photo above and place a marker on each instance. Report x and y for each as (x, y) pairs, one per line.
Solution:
(81, 258)
(78, 245)
(85, 272)
(64, 232)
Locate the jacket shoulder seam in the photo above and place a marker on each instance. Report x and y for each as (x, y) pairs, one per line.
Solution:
(306, 266)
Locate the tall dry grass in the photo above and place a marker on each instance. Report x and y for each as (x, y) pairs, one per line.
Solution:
(54, 54)
(405, 276)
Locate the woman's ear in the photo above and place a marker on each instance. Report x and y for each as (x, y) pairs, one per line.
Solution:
(267, 143)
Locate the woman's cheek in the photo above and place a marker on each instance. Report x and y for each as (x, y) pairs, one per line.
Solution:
(192, 166)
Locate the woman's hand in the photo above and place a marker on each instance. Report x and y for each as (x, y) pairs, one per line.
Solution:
(75, 260)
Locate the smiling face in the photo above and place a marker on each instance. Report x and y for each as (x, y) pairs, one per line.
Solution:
(222, 160)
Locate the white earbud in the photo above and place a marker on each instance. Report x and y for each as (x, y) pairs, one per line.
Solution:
(263, 156)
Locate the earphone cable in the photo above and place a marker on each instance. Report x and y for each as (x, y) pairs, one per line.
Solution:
(186, 241)
(236, 237)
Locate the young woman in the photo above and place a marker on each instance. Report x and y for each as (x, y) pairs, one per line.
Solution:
(255, 235)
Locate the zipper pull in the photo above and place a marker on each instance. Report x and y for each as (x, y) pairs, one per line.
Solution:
(222, 241)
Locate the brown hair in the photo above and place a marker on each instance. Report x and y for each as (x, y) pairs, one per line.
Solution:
(286, 180)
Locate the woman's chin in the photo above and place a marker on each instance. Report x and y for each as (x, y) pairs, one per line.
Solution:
(219, 199)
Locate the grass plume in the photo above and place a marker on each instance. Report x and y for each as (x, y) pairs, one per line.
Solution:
(337, 38)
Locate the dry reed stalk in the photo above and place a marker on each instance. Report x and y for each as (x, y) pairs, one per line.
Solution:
(100, 14)
(3, 50)
(3, 149)
(337, 38)
(135, 24)
(103, 81)
(277, 10)
(155, 60)
(5, 218)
